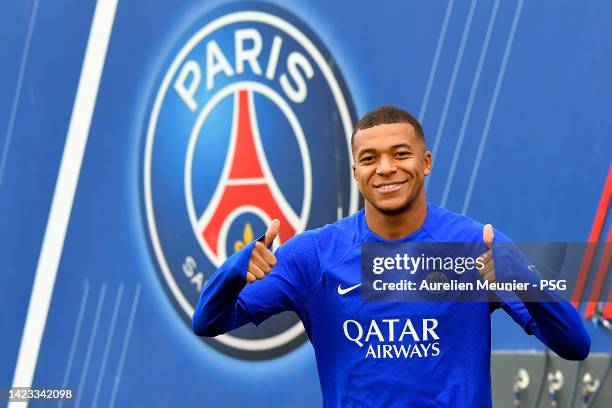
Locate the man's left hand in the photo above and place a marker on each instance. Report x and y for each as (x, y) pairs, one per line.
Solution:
(488, 269)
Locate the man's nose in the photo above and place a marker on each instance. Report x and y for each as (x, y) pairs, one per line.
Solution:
(386, 166)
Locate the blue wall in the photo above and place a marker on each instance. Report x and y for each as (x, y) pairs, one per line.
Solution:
(528, 81)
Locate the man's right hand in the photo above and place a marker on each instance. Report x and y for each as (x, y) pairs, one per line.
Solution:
(262, 259)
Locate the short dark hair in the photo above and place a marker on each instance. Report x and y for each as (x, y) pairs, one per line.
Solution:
(386, 115)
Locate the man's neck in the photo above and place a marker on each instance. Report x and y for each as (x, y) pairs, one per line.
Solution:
(396, 226)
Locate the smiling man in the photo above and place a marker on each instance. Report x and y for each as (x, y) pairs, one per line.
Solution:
(381, 354)
(390, 165)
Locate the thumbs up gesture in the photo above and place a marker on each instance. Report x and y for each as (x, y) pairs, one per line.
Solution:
(262, 259)
(488, 269)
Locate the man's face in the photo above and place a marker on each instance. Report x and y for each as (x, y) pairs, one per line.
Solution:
(390, 166)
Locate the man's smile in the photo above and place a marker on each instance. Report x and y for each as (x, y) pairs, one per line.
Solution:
(389, 187)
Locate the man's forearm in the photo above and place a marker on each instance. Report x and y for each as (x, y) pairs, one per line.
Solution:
(218, 309)
(560, 327)
(555, 322)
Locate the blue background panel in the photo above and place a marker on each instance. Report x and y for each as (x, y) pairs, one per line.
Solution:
(514, 101)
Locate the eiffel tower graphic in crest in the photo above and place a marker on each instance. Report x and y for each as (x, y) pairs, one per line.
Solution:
(246, 185)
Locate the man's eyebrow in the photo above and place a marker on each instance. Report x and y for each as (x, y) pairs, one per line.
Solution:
(366, 150)
(373, 150)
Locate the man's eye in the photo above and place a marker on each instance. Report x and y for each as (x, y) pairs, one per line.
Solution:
(366, 159)
(402, 154)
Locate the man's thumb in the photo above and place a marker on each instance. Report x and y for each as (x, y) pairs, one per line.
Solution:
(271, 232)
(488, 235)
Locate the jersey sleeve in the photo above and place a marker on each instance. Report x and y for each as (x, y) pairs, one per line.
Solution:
(217, 310)
(227, 302)
(289, 284)
(543, 314)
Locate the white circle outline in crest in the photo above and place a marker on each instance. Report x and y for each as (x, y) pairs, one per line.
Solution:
(254, 16)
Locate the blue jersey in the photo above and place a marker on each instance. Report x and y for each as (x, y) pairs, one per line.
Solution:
(381, 354)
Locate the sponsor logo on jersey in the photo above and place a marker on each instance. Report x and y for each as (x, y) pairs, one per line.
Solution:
(394, 338)
(251, 121)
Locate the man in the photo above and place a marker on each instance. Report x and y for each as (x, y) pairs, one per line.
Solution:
(444, 347)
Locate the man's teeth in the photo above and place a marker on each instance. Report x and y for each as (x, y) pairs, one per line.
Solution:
(390, 186)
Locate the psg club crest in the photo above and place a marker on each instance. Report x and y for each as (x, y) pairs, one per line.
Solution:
(251, 121)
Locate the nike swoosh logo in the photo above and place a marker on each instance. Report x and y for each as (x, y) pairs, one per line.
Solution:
(347, 290)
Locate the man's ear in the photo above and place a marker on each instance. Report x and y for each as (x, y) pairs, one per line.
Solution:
(427, 163)
(354, 175)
